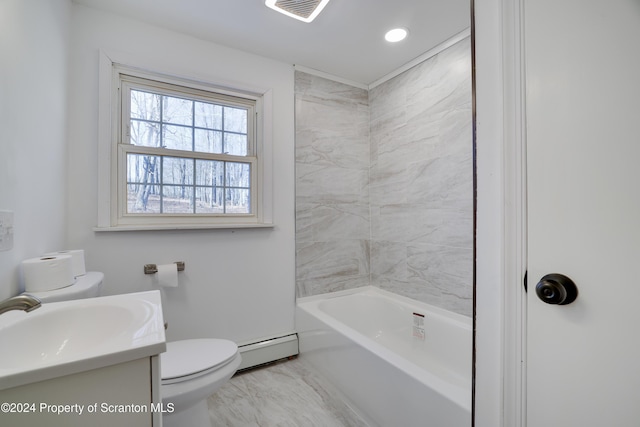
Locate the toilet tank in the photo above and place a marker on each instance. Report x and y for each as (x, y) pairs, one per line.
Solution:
(88, 285)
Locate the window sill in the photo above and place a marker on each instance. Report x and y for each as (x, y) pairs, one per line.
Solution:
(182, 227)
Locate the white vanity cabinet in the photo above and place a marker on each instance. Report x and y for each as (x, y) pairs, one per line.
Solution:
(91, 362)
(125, 394)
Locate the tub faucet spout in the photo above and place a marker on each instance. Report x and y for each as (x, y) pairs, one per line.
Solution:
(20, 302)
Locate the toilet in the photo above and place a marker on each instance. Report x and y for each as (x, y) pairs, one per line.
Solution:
(191, 370)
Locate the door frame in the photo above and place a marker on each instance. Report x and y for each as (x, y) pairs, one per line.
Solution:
(501, 227)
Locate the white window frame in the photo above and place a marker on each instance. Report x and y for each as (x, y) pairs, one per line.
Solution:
(114, 146)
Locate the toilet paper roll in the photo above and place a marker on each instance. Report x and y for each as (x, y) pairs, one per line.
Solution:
(47, 273)
(168, 275)
(77, 260)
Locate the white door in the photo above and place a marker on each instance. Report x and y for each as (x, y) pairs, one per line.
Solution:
(583, 170)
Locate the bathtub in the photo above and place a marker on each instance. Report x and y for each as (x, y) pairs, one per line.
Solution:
(397, 361)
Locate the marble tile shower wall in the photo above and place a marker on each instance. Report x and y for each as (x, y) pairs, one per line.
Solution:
(421, 182)
(332, 185)
(384, 183)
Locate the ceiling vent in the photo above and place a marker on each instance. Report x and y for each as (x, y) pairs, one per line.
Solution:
(304, 10)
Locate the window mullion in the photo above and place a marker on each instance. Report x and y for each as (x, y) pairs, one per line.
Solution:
(193, 126)
(138, 149)
(193, 148)
(224, 186)
(223, 130)
(160, 176)
(194, 193)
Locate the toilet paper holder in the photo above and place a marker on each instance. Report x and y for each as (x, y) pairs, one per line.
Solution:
(153, 268)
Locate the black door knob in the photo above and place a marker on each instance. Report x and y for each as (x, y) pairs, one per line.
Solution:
(556, 289)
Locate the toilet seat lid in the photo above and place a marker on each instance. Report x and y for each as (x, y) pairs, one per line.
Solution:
(188, 357)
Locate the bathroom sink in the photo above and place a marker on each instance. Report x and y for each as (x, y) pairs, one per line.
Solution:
(67, 337)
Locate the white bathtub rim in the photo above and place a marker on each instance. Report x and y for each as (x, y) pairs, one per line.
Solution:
(459, 394)
(374, 290)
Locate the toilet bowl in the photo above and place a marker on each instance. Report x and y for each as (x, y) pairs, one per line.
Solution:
(191, 370)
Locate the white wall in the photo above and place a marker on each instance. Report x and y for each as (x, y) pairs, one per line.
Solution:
(34, 37)
(238, 284)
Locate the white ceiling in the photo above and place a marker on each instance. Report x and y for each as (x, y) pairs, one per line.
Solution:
(346, 40)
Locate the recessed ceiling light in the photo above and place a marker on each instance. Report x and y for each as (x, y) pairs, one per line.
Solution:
(303, 10)
(396, 35)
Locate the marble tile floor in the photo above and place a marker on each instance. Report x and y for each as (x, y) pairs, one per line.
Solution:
(283, 394)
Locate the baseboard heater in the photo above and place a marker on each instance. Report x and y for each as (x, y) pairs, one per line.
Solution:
(268, 350)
